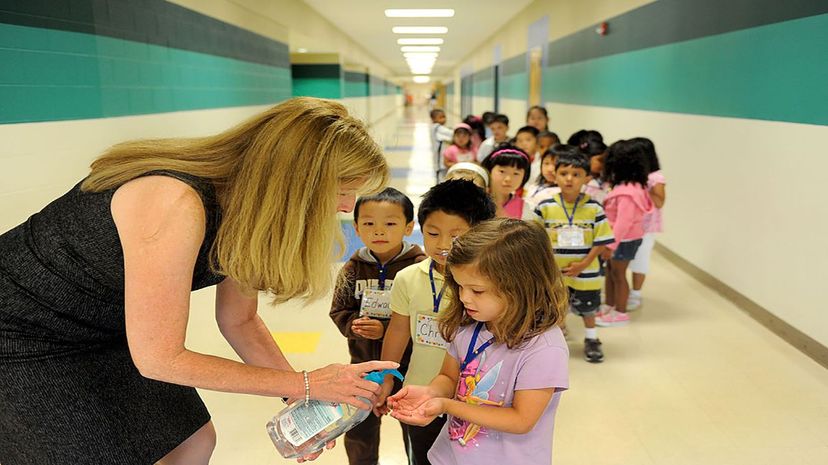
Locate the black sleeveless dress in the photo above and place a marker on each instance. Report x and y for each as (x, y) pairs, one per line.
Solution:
(69, 391)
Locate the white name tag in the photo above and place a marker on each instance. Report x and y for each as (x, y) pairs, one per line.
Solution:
(570, 236)
(376, 304)
(428, 332)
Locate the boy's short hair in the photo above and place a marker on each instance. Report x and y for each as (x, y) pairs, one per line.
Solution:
(457, 197)
(433, 113)
(528, 129)
(488, 117)
(550, 134)
(569, 155)
(389, 195)
(501, 118)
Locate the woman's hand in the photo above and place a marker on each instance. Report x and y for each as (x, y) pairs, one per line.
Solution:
(344, 383)
(312, 457)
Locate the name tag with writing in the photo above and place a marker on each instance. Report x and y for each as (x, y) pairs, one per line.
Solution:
(376, 304)
(428, 332)
(570, 236)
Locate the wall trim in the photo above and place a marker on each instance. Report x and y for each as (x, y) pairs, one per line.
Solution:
(799, 340)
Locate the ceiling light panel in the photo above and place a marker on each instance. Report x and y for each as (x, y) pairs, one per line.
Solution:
(420, 48)
(419, 29)
(421, 41)
(420, 13)
(421, 79)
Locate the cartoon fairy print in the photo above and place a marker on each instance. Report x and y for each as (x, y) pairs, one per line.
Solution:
(473, 390)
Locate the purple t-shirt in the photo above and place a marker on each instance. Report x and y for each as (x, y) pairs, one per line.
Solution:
(494, 376)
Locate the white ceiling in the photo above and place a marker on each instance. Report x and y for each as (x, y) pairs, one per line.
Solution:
(365, 22)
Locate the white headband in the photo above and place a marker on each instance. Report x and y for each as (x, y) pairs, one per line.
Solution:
(468, 166)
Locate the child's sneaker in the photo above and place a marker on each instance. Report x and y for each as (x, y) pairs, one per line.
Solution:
(603, 310)
(633, 303)
(592, 351)
(612, 318)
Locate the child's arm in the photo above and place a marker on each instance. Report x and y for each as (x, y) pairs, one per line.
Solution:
(345, 307)
(393, 347)
(575, 268)
(659, 195)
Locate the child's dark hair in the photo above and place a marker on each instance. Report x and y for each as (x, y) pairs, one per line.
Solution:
(584, 135)
(626, 162)
(511, 156)
(389, 195)
(592, 147)
(540, 109)
(433, 113)
(500, 118)
(507, 251)
(488, 117)
(649, 149)
(476, 124)
(528, 129)
(457, 197)
(557, 140)
(569, 155)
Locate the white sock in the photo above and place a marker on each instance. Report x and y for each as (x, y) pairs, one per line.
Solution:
(635, 294)
(591, 333)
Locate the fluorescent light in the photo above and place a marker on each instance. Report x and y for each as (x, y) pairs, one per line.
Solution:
(420, 48)
(419, 29)
(420, 13)
(421, 41)
(421, 79)
(420, 55)
(302, 50)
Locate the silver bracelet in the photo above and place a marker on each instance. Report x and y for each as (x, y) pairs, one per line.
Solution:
(307, 386)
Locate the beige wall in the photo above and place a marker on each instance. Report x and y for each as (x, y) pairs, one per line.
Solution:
(742, 195)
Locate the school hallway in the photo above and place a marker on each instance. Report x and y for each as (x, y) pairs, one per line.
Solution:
(692, 380)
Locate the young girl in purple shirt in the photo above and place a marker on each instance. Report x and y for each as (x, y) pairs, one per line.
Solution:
(507, 361)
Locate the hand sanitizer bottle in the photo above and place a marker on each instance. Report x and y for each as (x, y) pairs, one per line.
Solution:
(302, 429)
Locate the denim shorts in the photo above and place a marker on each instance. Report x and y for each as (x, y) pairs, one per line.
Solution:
(626, 250)
(584, 303)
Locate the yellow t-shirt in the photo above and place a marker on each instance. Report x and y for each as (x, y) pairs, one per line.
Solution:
(411, 296)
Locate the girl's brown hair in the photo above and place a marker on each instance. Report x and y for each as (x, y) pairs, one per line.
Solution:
(277, 177)
(517, 258)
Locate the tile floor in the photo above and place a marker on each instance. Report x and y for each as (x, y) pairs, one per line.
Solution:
(691, 381)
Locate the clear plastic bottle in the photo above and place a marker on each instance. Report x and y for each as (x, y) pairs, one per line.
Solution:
(300, 430)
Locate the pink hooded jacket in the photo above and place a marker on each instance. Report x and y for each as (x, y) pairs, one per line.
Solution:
(625, 206)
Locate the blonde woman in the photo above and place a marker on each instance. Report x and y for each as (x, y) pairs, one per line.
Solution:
(95, 288)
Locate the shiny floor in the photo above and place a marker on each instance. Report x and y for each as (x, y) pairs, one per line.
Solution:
(691, 381)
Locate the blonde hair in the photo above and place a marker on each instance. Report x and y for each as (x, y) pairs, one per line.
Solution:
(277, 176)
(517, 257)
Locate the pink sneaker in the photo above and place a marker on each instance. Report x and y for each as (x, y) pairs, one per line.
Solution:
(612, 318)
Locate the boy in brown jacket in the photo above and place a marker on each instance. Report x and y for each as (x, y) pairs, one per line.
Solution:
(360, 306)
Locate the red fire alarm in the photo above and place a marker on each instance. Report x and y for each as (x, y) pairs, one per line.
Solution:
(602, 29)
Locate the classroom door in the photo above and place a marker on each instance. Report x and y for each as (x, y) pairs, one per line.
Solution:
(535, 67)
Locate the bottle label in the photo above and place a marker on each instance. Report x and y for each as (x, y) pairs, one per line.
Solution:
(307, 421)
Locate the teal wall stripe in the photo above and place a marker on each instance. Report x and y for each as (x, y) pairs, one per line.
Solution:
(771, 72)
(59, 75)
(317, 87)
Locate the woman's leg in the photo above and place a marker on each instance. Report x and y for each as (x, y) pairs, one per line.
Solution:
(195, 450)
(618, 270)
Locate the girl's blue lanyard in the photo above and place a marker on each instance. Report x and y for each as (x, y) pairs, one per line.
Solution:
(383, 272)
(472, 353)
(569, 217)
(435, 297)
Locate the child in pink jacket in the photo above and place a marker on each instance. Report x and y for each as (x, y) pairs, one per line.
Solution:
(625, 168)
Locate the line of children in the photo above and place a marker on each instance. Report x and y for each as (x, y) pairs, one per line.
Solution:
(447, 210)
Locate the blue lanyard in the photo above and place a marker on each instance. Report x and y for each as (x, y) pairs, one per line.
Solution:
(383, 272)
(569, 217)
(471, 353)
(435, 297)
